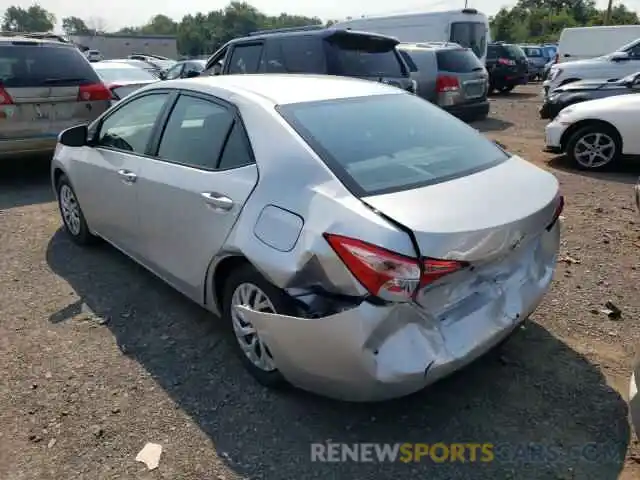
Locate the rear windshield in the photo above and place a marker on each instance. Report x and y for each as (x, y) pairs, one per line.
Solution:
(532, 51)
(34, 65)
(395, 142)
(124, 74)
(363, 56)
(458, 61)
(513, 51)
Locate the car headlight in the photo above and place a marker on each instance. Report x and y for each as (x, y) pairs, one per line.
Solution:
(554, 73)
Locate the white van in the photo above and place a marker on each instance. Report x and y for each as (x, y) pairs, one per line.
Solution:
(582, 43)
(468, 28)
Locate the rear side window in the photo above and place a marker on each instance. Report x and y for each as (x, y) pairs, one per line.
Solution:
(362, 56)
(458, 61)
(245, 58)
(408, 60)
(35, 65)
(302, 54)
(395, 142)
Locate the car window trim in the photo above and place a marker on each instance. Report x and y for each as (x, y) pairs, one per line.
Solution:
(235, 46)
(98, 123)
(154, 147)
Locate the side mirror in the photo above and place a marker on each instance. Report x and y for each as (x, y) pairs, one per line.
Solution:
(192, 74)
(74, 136)
(619, 56)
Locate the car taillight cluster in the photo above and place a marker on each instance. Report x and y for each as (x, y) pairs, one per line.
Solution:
(506, 61)
(5, 98)
(94, 92)
(389, 275)
(447, 83)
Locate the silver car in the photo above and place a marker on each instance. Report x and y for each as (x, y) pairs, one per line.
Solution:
(45, 87)
(358, 241)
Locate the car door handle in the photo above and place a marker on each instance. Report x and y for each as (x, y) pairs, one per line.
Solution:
(128, 176)
(218, 201)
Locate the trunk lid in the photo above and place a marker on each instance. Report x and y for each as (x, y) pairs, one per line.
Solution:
(478, 217)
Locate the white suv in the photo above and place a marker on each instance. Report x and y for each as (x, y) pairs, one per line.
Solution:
(616, 65)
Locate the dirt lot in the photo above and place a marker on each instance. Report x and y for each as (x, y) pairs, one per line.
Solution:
(82, 392)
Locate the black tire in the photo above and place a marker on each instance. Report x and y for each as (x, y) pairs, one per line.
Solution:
(79, 233)
(281, 303)
(592, 129)
(506, 88)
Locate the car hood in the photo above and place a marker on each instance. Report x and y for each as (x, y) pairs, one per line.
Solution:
(595, 63)
(588, 85)
(616, 103)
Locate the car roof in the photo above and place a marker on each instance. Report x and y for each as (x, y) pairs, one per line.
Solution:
(431, 46)
(26, 38)
(322, 32)
(118, 65)
(280, 89)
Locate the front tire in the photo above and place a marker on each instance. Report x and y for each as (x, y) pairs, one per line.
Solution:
(75, 224)
(595, 147)
(246, 286)
(506, 88)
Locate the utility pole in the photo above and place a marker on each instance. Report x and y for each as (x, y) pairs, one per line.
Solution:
(607, 18)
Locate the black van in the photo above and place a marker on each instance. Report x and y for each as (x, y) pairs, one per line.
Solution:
(507, 66)
(314, 49)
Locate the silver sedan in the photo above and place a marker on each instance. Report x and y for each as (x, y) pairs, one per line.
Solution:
(357, 241)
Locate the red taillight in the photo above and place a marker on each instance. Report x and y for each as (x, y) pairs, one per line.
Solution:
(5, 98)
(506, 61)
(557, 212)
(385, 274)
(447, 83)
(94, 92)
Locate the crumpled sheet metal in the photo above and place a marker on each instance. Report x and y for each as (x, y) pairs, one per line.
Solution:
(372, 353)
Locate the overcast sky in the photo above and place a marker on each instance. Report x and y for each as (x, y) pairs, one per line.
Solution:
(116, 14)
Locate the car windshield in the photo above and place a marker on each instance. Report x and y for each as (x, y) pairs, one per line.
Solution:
(124, 74)
(395, 142)
(458, 61)
(363, 56)
(35, 65)
(471, 35)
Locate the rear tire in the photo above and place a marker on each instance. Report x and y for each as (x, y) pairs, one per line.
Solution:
(595, 147)
(246, 286)
(506, 88)
(75, 224)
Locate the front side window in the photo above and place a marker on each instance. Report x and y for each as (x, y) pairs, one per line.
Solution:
(174, 72)
(395, 142)
(471, 35)
(195, 133)
(458, 61)
(408, 60)
(129, 128)
(245, 59)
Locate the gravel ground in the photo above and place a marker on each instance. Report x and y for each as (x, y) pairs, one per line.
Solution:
(98, 357)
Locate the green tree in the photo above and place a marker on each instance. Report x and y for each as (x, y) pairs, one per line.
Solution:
(32, 19)
(75, 26)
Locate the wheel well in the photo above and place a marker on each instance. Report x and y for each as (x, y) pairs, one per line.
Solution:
(585, 123)
(57, 173)
(222, 271)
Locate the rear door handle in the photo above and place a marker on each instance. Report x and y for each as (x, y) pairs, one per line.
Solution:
(218, 201)
(128, 176)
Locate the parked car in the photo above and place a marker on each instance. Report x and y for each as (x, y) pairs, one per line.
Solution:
(315, 49)
(45, 87)
(450, 76)
(507, 66)
(596, 134)
(613, 66)
(583, 91)
(93, 55)
(376, 300)
(537, 59)
(184, 69)
(148, 67)
(122, 79)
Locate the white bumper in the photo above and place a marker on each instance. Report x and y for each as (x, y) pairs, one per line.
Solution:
(634, 397)
(553, 134)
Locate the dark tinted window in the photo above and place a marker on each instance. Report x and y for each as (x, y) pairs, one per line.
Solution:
(303, 54)
(129, 127)
(532, 52)
(395, 142)
(363, 56)
(245, 59)
(236, 151)
(195, 133)
(174, 72)
(471, 35)
(492, 51)
(408, 60)
(512, 51)
(458, 61)
(33, 65)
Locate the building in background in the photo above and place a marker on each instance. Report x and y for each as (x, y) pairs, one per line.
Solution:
(115, 45)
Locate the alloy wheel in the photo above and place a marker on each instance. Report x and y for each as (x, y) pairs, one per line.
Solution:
(70, 209)
(594, 150)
